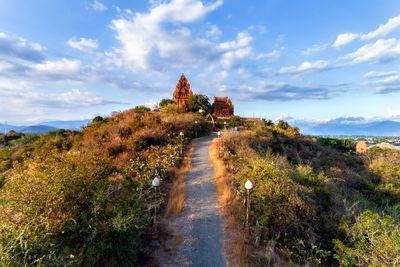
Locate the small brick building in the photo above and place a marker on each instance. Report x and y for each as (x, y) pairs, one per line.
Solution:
(222, 107)
(361, 147)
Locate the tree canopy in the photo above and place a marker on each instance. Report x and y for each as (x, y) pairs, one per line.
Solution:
(165, 102)
(197, 102)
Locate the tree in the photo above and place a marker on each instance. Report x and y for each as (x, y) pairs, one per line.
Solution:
(234, 122)
(373, 240)
(269, 123)
(166, 102)
(98, 119)
(170, 109)
(282, 125)
(197, 102)
(142, 108)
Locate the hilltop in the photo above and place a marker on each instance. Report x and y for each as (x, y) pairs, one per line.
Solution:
(84, 197)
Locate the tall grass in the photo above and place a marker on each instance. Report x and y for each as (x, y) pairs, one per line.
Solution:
(177, 193)
(231, 208)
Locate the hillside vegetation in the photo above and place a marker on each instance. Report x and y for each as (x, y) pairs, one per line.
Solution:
(84, 197)
(312, 203)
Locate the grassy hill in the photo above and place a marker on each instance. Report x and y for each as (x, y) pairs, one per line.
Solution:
(310, 203)
(84, 197)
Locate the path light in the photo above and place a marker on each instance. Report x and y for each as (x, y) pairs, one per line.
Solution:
(195, 128)
(155, 242)
(155, 182)
(225, 125)
(181, 136)
(219, 133)
(248, 185)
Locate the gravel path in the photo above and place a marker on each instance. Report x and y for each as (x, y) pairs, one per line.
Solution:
(200, 224)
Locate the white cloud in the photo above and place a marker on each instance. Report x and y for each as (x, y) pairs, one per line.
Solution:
(305, 68)
(383, 29)
(61, 67)
(272, 56)
(235, 50)
(344, 39)
(392, 113)
(97, 5)
(387, 85)
(283, 116)
(149, 44)
(376, 74)
(83, 44)
(76, 98)
(213, 32)
(72, 99)
(282, 92)
(380, 51)
(19, 48)
(314, 49)
(5, 66)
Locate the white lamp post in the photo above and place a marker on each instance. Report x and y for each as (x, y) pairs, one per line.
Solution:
(224, 125)
(248, 185)
(155, 242)
(195, 128)
(181, 136)
(219, 133)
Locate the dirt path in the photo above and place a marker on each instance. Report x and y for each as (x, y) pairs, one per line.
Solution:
(200, 224)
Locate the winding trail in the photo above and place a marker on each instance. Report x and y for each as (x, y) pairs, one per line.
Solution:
(200, 224)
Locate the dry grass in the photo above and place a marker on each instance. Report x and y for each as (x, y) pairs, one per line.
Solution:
(177, 194)
(235, 250)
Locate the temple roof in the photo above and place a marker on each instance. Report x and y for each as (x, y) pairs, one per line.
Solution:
(221, 99)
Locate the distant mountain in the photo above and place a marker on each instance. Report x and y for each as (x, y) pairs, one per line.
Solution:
(350, 128)
(44, 127)
(67, 125)
(5, 128)
(37, 129)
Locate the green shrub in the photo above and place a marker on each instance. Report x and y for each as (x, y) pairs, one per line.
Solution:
(234, 122)
(170, 109)
(97, 119)
(165, 102)
(142, 108)
(372, 241)
(282, 125)
(303, 191)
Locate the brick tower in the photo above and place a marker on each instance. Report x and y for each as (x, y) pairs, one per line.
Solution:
(182, 93)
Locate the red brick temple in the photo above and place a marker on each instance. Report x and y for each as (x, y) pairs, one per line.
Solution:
(182, 93)
(222, 107)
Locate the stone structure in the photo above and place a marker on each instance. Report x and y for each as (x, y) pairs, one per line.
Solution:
(182, 93)
(361, 147)
(222, 107)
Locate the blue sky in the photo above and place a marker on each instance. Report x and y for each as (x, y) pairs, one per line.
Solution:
(299, 60)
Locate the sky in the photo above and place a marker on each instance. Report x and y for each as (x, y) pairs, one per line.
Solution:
(306, 60)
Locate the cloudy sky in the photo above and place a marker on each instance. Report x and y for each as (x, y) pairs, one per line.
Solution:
(305, 60)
